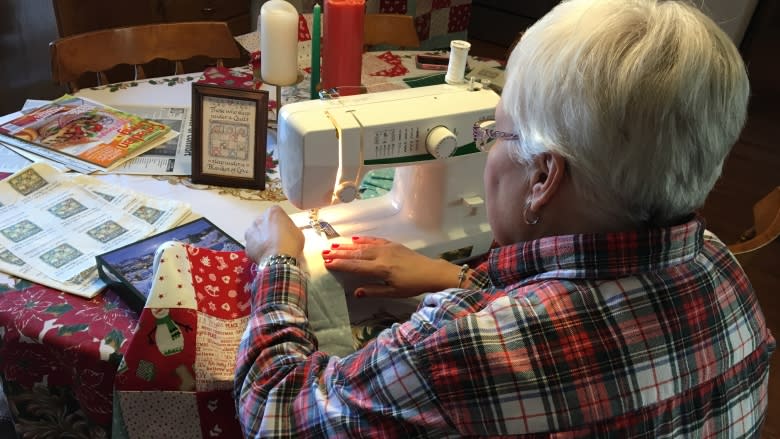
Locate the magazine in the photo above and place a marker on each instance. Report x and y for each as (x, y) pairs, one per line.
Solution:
(85, 135)
(128, 270)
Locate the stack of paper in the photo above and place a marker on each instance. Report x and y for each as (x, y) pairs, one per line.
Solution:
(53, 224)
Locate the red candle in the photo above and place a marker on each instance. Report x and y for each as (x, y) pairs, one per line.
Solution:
(342, 45)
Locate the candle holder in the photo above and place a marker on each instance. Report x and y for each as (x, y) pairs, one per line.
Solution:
(278, 88)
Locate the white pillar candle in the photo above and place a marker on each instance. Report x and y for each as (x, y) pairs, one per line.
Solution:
(278, 42)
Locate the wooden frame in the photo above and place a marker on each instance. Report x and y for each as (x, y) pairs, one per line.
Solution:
(229, 127)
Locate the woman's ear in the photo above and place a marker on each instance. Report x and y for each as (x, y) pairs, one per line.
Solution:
(549, 170)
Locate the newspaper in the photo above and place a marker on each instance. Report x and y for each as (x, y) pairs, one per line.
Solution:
(10, 161)
(174, 157)
(53, 224)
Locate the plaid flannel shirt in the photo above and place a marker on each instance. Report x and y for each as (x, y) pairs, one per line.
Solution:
(645, 334)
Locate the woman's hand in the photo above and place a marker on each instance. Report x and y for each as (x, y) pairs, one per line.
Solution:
(406, 273)
(273, 233)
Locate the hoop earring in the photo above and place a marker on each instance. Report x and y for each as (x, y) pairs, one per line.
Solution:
(532, 221)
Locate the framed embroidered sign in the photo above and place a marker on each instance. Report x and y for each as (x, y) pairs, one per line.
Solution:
(229, 127)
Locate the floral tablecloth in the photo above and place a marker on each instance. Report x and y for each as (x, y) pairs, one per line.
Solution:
(59, 353)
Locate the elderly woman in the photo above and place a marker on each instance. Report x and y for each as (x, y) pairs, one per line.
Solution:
(605, 309)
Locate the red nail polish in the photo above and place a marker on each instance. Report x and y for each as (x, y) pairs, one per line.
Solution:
(334, 246)
(328, 261)
(325, 252)
(359, 293)
(355, 238)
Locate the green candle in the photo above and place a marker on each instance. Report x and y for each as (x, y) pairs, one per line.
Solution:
(315, 52)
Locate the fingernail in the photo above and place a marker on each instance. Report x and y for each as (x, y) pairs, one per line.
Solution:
(325, 252)
(328, 261)
(360, 292)
(355, 238)
(334, 246)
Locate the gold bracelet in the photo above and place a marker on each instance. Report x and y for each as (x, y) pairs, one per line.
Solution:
(464, 269)
(278, 259)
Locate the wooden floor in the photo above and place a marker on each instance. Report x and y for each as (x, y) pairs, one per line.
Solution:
(751, 171)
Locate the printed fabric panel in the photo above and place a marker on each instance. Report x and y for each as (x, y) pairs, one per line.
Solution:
(176, 379)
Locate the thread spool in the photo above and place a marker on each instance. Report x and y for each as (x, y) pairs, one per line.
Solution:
(456, 68)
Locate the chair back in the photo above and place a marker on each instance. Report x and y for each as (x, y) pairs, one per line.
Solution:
(766, 225)
(390, 29)
(98, 51)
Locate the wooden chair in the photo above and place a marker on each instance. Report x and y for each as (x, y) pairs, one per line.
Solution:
(766, 225)
(98, 51)
(390, 29)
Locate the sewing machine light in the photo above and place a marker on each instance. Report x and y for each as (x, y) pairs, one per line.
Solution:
(345, 192)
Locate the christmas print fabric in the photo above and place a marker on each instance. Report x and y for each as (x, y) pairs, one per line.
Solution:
(176, 378)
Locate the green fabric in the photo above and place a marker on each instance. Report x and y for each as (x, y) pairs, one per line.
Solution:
(377, 182)
(424, 81)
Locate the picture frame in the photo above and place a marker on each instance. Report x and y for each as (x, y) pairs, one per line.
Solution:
(229, 128)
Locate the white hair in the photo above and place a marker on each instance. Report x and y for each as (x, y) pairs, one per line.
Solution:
(644, 98)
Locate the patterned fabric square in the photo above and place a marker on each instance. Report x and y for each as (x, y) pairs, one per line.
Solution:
(214, 366)
(303, 28)
(459, 18)
(423, 25)
(393, 6)
(440, 22)
(423, 7)
(145, 412)
(437, 21)
(214, 408)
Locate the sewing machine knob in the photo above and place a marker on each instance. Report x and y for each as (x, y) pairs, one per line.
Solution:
(441, 142)
(346, 192)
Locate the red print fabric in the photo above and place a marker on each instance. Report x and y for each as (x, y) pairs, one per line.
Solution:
(226, 77)
(423, 25)
(36, 322)
(303, 29)
(393, 6)
(392, 65)
(459, 18)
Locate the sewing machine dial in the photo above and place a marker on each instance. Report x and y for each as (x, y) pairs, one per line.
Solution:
(441, 142)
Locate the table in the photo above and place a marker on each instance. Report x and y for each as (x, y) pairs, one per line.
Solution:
(58, 352)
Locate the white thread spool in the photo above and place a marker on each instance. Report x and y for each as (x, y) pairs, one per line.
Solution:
(456, 69)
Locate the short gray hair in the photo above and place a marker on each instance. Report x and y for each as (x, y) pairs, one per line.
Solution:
(644, 98)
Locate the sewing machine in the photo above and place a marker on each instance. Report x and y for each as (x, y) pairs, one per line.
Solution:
(437, 203)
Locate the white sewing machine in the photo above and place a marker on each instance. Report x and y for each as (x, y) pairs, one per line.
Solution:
(436, 205)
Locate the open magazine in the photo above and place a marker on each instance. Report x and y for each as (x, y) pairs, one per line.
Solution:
(84, 135)
(53, 225)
